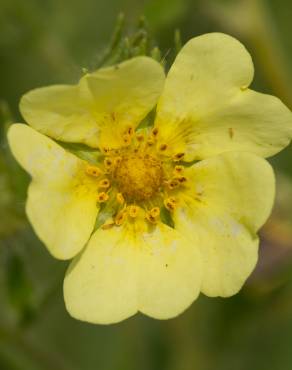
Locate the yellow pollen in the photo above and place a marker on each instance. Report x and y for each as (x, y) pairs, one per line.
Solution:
(138, 177)
(152, 215)
(172, 184)
(155, 131)
(120, 198)
(181, 179)
(117, 161)
(120, 218)
(140, 137)
(177, 157)
(150, 142)
(163, 147)
(108, 224)
(105, 183)
(102, 197)
(108, 162)
(150, 218)
(155, 212)
(127, 139)
(178, 169)
(133, 211)
(170, 203)
(93, 171)
(130, 131)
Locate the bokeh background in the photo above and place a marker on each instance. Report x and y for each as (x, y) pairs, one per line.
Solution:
(51, 41)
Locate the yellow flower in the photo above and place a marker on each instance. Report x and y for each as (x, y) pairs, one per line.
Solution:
(168, 229)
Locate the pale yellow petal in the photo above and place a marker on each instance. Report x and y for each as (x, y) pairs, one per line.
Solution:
(101, 108)
(61, 204)
(170, 273)
(62, 112)
(124, 270)
(101, 284)
(206, 108)
(123, 95)
(228, 199)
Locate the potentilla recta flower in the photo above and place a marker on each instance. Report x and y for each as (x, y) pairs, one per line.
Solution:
(162, 212)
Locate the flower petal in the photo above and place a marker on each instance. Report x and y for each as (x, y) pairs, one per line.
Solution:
(99, 109)
(206, 108)
(123, 96)
(122, 271)
(62, 112)
(229, 198)
(61, 203)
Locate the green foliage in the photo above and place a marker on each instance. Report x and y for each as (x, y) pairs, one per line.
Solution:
(123, 47)
(19, 288)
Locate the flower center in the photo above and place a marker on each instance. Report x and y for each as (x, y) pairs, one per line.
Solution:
(138, 177)
(138, 180)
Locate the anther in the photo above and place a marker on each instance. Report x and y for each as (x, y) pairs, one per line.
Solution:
(133, 211)
(150, 142)
(130, 131)
(140, 137)
(178, 169)
(117, 161)
(155, 211)
(102, 197)
(108, 224)
(120, 218)
(172, 184)
(127, 139)
(150, 218)
(105, 183)
(108, 162)
(106, 150)
(93, 171)
(178, 156)
(155, 131)
(163, 147)
(182, 179)
(153, 215)
(170, 203)
(120, 198)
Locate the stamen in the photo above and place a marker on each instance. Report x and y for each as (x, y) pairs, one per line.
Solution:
(93, 171)
(117, 161)
(177, 157)
(120, 198)
(140, 137)
(170, 203)
(163, 147)
(106, 150)
(120, 218)
(108, 162)
(155, 212)
(155, 131)
(172, 184)
(127, 139)
(152, 215)
(178, 169)
(150, 218)
(102, 197)
(105, 183)
(150, 142)
(130, 131)
(133, 211)
(108, 224)
(182, 179)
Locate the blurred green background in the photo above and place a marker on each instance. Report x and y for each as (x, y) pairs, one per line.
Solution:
(50, 41)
